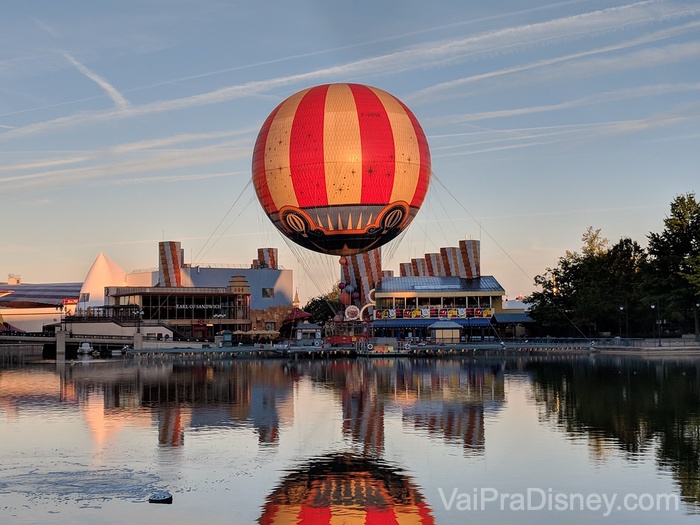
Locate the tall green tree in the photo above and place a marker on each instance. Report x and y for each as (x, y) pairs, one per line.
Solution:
(592, 292)
(674, 255)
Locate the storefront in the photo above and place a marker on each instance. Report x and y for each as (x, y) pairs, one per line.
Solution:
(199, 313)
(406, 307)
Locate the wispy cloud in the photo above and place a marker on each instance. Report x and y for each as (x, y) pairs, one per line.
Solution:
(577, 67)
(418, 57)
(522, 138)
(598, 98)
(107, 167)
(108, 88)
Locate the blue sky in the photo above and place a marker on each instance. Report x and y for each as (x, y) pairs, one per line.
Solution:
(126, 123)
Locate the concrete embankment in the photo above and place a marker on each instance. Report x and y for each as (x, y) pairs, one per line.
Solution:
(20, 353)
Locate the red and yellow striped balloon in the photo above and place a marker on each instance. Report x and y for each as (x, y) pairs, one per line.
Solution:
(341, 168)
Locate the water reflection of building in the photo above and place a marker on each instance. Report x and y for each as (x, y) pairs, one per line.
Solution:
(454, 422)
(172, 421)
(451, 399)
(344, 488)
(245, 394)
(445, 398)
(38, 387)
(363, 416)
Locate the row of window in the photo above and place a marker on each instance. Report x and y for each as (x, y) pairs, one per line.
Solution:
(400, 303)
(190, 307)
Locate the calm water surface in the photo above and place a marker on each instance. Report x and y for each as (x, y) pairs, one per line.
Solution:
(517, 440)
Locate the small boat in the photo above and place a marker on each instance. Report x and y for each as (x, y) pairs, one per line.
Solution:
(121, 352)
(161, 497)
(85, 348)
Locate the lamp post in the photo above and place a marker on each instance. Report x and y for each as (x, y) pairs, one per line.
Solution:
(697, 322)
(138, 314)
(62, 319)
(619, 322)
(658, 321)
(623, 309)
(220, 316)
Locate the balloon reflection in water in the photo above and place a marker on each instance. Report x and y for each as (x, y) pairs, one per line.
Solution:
(345, 488)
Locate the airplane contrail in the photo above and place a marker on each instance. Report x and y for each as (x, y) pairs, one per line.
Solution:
(108, 88)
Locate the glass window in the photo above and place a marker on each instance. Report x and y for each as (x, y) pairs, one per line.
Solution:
(268, 293)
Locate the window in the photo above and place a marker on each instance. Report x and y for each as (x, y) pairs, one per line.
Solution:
(268, 293)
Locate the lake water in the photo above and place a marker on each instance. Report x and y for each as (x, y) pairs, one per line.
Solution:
(445, 441)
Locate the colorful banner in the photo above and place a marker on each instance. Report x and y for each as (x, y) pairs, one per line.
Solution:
(433, 313)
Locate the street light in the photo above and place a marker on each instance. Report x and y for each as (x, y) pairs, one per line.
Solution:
(60, 308)
(619, 321)
(658, 321)
(623, 308)
(138, 313)
(220, 316)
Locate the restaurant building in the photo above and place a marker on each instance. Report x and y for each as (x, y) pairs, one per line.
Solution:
(445, 286)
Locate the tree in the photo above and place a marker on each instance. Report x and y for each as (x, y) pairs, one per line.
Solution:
(593, 242)
(324, 307)
(590, 292)
(672, 272)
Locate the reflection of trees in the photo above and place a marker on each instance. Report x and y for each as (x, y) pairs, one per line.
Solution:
(631, 402)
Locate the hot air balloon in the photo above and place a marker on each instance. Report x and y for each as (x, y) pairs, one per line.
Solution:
(344, 488)
(341, 168)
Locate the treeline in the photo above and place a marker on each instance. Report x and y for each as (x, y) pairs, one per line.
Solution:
(623, 289)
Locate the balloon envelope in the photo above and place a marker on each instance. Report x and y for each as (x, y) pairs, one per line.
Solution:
(341, 168)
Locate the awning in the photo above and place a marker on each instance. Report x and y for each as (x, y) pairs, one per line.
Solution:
(445, 325)
(263, 333)
(503, 318)
(474, 322)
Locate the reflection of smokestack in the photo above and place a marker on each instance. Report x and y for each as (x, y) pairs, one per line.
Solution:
(170, 430)
(363, 419)
(463, 423)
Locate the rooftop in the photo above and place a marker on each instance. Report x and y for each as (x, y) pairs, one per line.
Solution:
(432, 284)
(38, 295)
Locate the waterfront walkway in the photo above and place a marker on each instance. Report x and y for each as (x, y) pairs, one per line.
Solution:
(642, 347)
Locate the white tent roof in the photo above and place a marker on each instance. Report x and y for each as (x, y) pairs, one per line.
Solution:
(103, 272)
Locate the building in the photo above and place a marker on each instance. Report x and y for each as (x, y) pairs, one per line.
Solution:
(406, 307)
(173, 300)
(29, 307)
(199, 301)
(442, 297)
